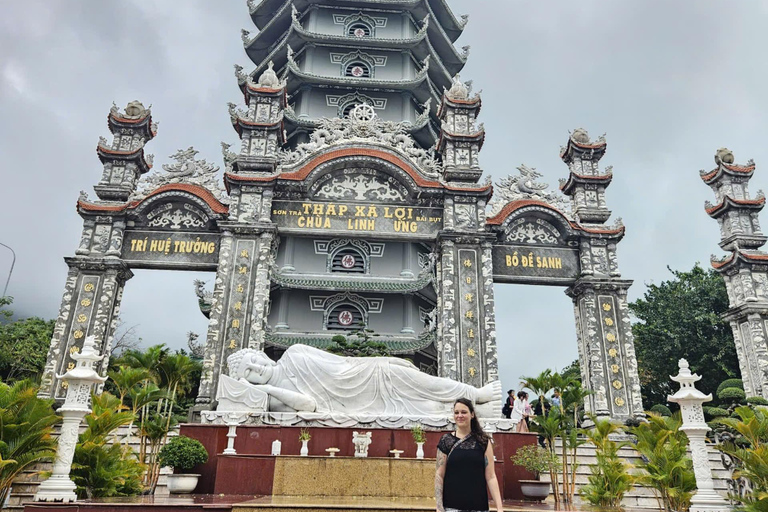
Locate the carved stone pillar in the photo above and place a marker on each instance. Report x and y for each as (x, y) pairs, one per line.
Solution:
(240, 302)
(91, 301)
(606, 348)
(466, 329)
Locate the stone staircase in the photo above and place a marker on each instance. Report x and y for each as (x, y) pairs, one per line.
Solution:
(26, 484)
(640, 496)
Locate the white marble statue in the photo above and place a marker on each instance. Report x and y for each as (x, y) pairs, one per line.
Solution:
(309, 380)
(362, 442)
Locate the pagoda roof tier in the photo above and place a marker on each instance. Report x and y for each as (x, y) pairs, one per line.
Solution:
(263, 12)
(136, 156)
(580, 146)
(400, 345)
(241, 124)
(462, 137)
(616, 232)
(422, 130)
(143, 124)
(737, 171)
(581, 179)
(749, 257)
(474, 102)
(352, 283)
(102, 207)
(282, 20)
(728, 203)
(421, 86)
(441, 70)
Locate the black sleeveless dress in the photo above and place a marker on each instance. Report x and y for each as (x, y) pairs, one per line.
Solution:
(464, 486)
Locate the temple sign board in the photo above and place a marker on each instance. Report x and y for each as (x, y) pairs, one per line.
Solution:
(313, 216)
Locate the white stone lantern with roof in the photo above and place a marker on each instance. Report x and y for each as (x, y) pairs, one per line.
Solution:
(79, 382)
(690, 399)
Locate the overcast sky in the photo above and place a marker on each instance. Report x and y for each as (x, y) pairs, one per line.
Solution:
(668, 81)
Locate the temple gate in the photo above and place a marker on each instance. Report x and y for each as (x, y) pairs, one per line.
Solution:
(354, 201)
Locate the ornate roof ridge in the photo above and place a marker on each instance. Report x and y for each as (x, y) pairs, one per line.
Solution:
(397, 344)
(353, 282)
(363, 126)
(113, 206)
(743, 254)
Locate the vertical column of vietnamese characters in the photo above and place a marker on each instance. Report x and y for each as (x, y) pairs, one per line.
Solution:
(469, 317)
(240, 292)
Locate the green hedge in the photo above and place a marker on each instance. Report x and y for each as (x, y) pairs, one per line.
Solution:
(715, 412)
(732, 394)
(757, 400)
(661, 409)
(729, 383)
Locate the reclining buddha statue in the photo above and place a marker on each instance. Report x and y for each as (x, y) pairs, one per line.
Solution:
(310, 380)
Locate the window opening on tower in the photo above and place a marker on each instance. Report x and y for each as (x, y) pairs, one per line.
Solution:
(359, 30)
(357, 69)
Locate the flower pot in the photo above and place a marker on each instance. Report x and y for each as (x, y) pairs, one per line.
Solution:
(304, 448)
(182, 483)
(419, 450)
(535, 490)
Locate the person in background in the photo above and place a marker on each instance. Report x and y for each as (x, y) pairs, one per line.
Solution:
(519, 412)
(556, 399)
(509, 403)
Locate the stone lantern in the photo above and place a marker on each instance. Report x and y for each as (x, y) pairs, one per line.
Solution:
(79, 382)
(690, 399)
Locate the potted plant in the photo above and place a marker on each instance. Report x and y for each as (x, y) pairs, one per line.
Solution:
(182, 453)
(536, 460)
(420, 437)
(304, 437)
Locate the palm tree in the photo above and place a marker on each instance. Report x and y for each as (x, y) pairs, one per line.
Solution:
(127, 378)
(540, 385)
(176, 371)
(26, 423)
(149, 359)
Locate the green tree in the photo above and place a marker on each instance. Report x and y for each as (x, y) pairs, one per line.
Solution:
(23, 344)
(26, 424)
(682, 318)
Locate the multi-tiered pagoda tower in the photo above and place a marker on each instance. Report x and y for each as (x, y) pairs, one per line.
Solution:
(396, 56)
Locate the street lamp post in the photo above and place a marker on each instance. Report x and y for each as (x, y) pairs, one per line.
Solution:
(13, 262)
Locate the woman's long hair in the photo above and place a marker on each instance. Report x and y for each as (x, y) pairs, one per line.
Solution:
(475, 428)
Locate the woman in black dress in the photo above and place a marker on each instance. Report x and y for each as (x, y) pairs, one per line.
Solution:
(465, 471)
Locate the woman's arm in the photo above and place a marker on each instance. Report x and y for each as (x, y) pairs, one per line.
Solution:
(439, 474)
(490, 478)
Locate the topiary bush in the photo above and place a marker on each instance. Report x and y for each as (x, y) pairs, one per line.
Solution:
(730, 383)
(716, 412)
(183, 452)
(757, 400)
(732, 395)
(661, 409)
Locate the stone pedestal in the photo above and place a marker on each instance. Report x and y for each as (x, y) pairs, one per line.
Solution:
(690, 399)
(78, 381)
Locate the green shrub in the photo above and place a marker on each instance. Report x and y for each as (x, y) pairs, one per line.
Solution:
(101, 467)
(183, 453)
(610, 478)
(732, 395)
(535, 459)
(661, 409)
(26, 423)
(757, 400)
(715, 412)
(729, 383)
(665, 466)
